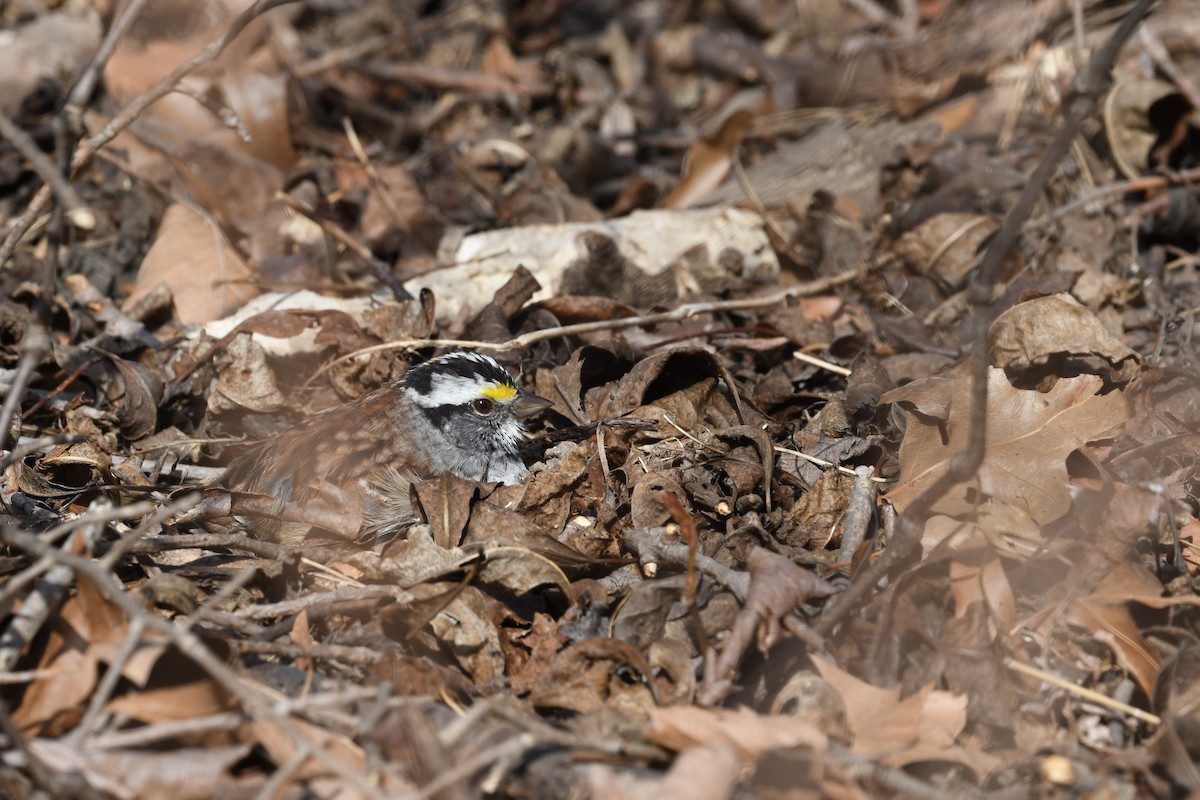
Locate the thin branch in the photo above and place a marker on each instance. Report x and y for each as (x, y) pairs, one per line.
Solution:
(81, 216)
(1145, 183)
(800, 355)
(507, 750)
(676, 315)
(896, 781)
(51, 590)
(322, 601)
(152, 734)
(383, 273)
(108, 683)
(25, 446)
(34, 346)
(1158, 51)
(81, 92)
(345, 654)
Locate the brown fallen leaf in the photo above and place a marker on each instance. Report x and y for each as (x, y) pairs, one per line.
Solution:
(701, 773)
(1177, 699)
(751, 735)
(946, 246)
(590, 674)
(924, 726)
(192, 257)
(1046, 331)
(1106, 613)
(172, 703)
(977, 575)
(141, 392)
(1029, 436)
(539, 645)
(710, 159)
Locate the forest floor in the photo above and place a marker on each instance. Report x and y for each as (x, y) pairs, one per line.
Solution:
(872, 463)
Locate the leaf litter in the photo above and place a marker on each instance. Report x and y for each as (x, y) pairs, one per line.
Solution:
(738, 247)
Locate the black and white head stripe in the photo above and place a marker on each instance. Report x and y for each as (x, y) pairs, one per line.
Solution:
(458, 378)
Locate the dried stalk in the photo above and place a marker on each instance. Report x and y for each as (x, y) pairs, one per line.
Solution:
(679, 314)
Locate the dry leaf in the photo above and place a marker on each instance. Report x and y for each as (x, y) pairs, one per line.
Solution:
(1047, 330)
(709, 160)
(1029, 436)
(172, 703)
(923, 726)
(751, 735)
(192, 257)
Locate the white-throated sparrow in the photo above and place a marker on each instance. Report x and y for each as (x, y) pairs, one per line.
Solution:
(349, 469)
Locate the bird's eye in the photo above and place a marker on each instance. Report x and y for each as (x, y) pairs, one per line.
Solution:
(483, 406)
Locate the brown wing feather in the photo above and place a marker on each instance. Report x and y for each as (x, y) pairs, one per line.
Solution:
(336, 447)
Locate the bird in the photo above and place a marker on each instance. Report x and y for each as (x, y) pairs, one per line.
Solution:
(349, 469)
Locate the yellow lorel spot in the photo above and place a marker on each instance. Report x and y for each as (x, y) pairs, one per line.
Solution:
(499, 391)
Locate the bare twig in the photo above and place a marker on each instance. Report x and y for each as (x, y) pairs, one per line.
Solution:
(898, 782)
(108, 684)
(880, 16)
(23, 224)
(1145, 183)
(53, 394)
(42, 775)
(506, 751)
(820, 462)
(683, 312)
(129, 541)
(26, 446)
(1078, 27)
(104, 310)
(34, 346)
(472, 82)
(652, 546)
(151, 734)
(233, 541)
(829, 366)
(380, 270)
(159, 466)
(81, 92)
(1084, 692)
(35, 610)
(321, 600)
(345, 654)
(341, 55)
(38, 605)
(26, 676)
(81, 216)
(1158, 51)
(58, 578)
(167, 84)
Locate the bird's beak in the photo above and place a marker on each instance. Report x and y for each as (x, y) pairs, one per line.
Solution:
(529, 404)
